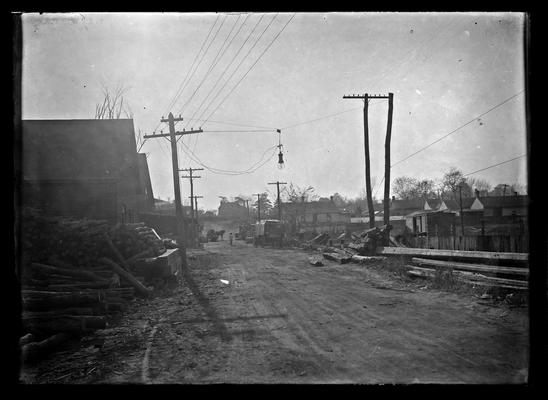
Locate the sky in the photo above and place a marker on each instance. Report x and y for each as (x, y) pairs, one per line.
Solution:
(244, 75)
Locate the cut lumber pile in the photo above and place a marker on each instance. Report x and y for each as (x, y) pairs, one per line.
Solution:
(471, 270)
(76, 274)
(472, 267)
(476, 274)
(471, 278)
(485, 255)
(81, 242)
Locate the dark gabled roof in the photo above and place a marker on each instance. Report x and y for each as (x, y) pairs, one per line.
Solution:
(434, 203)
(407, 204)
(455, 204)
(81, 149)
(504, 201)
(312, 206)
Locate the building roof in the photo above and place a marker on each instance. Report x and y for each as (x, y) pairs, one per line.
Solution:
(504, 201)
(81, 149)
(321, 206)
(454, 205)
(407, 204)
(434, 203)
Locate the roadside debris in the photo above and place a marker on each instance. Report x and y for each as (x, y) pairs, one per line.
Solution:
(76, 275)
(316, 261)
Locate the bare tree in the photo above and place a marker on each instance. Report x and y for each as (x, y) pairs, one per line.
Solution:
(404, 187)
(481, 185)
(113, 105)
(294, 193)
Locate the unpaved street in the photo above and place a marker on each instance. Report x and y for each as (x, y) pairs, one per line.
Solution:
(281, 320)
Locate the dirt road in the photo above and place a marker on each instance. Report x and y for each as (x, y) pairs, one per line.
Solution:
(281, 320)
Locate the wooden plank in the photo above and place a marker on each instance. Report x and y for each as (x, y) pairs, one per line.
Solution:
(48, 269)
(428, 274)
(406, 251)
(337, 257)
(471, 267)
(365, 259)
(141, 289)
(472, 277)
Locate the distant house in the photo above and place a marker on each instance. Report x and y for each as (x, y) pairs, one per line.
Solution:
(407, 206)
(455, 205)
(233, 210)
(502, 206)
(431, 222)
(315, 216)
(84, 168)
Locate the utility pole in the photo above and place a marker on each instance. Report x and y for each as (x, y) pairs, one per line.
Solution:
(278, 183)
(258, 205)
(504, 190)
(365, 97)
(193, 211)
(191, 177)
(175, 167)
(461, 213)
(195, 198)
(387, 159)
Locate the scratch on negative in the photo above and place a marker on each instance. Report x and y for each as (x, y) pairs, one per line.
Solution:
(144, 366)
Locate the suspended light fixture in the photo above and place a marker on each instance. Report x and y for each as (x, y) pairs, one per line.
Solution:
(281, 164)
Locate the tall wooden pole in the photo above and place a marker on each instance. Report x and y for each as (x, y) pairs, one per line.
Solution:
(367, 162)
(387, 160)
(366, 98)
(461, 213)
(177, 188)
(258, 206)
(278, 183)
(192, 217)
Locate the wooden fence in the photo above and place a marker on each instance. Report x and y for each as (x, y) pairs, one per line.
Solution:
(498, 243)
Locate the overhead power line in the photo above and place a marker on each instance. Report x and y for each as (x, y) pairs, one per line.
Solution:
(495, 165)
(181, 88)
(226, 69)
(203, 55)
(234, 124)
(239, 64)
(459, 128)
(256, 61)
(249, 170)
(217, 61)
(241, 131)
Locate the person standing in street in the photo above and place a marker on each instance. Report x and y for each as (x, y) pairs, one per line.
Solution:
(230, 238)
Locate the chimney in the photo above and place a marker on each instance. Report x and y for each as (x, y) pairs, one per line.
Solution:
(477, 193)
(515, 193)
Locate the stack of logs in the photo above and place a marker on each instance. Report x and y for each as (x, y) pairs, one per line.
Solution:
(70, 283)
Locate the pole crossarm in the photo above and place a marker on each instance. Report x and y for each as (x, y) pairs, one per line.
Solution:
(366, 96)
(190, 177)
(174, 119)
(157, 135)
(196, 197)
(191, 169)
(278, 183)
